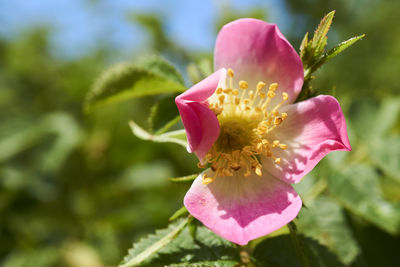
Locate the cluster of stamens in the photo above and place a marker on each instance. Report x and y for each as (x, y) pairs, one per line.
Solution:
(245, 124)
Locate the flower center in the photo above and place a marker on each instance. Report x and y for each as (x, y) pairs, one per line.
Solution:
(246, 121)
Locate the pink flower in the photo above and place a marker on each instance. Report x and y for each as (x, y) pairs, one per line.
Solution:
(242, 123)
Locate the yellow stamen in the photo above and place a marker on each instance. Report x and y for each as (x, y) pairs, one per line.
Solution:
(273, 86)
(260, 85)
(243, 85)
(245, 126)
(271, 94)
(230, 73)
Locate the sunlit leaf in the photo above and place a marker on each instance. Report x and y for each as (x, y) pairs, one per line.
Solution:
(357, 188)
(386, 118)
(126, 81)
(385, 153)
(207, 247)
(318, 41)
(303, 46)
(150, 245)
(342, 46)
(161, 67)
(323, 220)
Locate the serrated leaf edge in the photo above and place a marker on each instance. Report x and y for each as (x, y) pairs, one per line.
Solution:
(156, 246)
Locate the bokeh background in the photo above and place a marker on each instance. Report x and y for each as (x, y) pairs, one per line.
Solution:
(77, 189)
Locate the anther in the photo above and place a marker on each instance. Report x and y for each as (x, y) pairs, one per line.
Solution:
(235, 92)
(221, 98)
(260, 85)
(230, 72)
(217, 110)
(277, 120)
(275, 143)
(278, 160)
(271, 94)
(284, 115)
(207, 180)
(219, 90)
(282, 146)
(251, 95)
(273, 86)
(243, 85)
(285, 96)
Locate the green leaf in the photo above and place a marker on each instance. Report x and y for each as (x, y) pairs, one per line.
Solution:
(164, 114)
(357, 188)
(279, 251)
(207, 247)
(63, 126)
(324, 221)
(126, 81)
(184, 179)
(199, 71)
(341, 47)
(304, 46)
(318, 42)
(386, 118)
(217, 263)
(384, 152)
(150, 245)
(177, 137)
(161, 67)
(330, 54)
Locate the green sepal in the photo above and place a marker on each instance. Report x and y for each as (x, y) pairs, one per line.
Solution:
(179, 213)
(184, 179)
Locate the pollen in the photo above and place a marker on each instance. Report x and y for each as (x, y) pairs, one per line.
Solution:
(247, 119)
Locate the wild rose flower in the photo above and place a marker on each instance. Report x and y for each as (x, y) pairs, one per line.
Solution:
(242, 123)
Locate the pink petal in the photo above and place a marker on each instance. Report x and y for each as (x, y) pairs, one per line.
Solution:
(313, 128)
(201, 124)
(257, 51)
(241, 208)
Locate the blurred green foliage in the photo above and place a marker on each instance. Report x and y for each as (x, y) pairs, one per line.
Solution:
(77, 188)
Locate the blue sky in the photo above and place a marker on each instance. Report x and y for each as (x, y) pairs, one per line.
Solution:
(79, 25)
